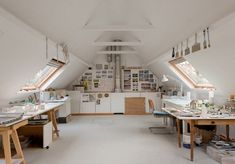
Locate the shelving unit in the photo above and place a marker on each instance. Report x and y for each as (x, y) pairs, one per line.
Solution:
(127, 80)
(138, 80)
(135, 80)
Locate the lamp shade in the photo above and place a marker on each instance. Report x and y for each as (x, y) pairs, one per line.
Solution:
(164, 78)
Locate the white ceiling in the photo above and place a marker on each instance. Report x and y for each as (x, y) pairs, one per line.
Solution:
(158, 24)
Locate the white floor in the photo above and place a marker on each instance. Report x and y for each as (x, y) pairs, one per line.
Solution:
(113, 139)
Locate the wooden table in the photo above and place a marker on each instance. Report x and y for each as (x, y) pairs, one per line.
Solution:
(10, 131)
(192, 121)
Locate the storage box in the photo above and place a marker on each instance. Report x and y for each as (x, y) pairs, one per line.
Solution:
(206, 135)
(40, 133)
(228, 160)
(220, 156)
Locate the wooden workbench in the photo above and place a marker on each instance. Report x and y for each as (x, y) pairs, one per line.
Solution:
(10, 131)
(193, 121)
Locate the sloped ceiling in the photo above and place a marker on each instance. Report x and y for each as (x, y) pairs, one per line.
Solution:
(217, 63)
(71, 71)
(23, 54)
(158, 24)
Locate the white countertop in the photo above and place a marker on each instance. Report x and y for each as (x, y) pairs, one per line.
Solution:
(180, 101)
(58, 100)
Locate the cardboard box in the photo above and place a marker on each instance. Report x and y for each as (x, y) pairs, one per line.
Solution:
(219, 155)
(228, 160)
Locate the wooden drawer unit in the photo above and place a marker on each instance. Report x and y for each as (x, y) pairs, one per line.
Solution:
(135, 105)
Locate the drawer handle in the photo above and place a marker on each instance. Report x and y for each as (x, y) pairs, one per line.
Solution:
(212, 122)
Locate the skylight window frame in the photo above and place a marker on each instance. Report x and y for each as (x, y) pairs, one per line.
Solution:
(191, 83)
(41, 83)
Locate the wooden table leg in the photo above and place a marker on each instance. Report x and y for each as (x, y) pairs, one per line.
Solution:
(192, 134)
(6, 146)
(227, 132)
(52, 118)
(178, 130)
(17, 145)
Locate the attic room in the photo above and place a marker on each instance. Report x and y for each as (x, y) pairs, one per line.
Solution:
(107, 81)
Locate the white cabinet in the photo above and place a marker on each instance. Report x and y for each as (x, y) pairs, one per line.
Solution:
(47, 134)
(87, 107)
(103, 103)
(155, 97)
(75, 98)
(135, 80)
(114, 102)
(117, 102)
(159, 101)
(88, 103)
(65, 109)
(146, 95)
(132, 94)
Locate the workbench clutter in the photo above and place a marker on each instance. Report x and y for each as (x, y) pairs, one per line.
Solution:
(180, 50)
(11, 128)
(201, 116)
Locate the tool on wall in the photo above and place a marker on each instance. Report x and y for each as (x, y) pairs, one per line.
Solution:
(204, 41)
(177, 52)
(181, 52)
(187, 50)
(173, 52)
(209, 44)
(65, 50)
(197, 46)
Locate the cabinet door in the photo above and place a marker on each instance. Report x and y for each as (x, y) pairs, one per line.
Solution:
(156, 97)
(118, 102)
(90, 107)
(47, 134)
(146, 95)
(65, 109)
(83, 107)
(104, 106)
(75, 98)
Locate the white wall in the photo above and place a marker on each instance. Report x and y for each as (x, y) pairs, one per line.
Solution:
(216, 64)
(126, 60)
(23, 54)
(71, 71)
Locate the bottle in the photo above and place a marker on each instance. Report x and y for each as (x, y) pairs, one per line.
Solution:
(204, 110)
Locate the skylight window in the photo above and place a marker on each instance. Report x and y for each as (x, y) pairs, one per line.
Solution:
(43, 76)
(189, 74)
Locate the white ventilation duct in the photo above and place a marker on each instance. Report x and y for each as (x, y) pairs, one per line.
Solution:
(109, 56)
(116, 58)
